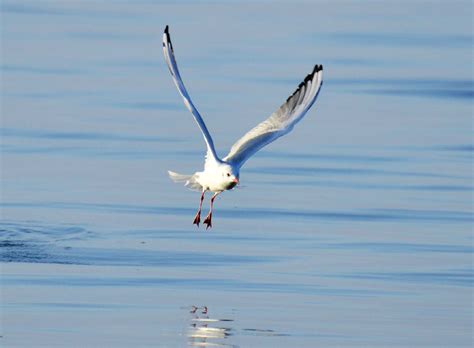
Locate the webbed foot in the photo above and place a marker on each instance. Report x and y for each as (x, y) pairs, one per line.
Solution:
(208, 221)
(197, 218)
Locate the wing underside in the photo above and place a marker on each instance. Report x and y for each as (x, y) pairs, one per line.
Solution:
(173, 68)
(280, 122)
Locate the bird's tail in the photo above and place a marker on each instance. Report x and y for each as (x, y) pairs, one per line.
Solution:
(188, 180)
(178, 177)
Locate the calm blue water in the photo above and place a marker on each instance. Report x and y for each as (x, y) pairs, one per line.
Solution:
(354, 230)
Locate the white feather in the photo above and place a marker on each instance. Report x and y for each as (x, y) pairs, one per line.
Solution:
(280, 122)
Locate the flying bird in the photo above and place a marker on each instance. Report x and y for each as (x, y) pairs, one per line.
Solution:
(222, 174)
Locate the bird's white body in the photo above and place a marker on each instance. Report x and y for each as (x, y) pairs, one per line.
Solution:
(223, 174)
(216, 177)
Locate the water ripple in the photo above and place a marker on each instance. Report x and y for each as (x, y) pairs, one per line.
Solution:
(58, 135)
(369, 186)
(35, 243)
(336, 157)
(397, 247)
(430, 87)
(402, 39)
(374, 215)
(311, 171)
(19, 8)
(194, 283)
(30, 252)
(147, 106)
(15, 68)
(430, 93)
(456, 278)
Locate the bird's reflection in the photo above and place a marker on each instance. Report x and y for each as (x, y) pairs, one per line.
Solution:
(205, 331)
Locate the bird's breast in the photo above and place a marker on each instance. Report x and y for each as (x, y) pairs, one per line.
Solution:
(212, 182)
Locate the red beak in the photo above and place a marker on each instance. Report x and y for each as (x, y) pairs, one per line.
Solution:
(235, 180)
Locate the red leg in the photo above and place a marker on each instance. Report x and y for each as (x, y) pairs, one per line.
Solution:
(197, 218)
(208, 219)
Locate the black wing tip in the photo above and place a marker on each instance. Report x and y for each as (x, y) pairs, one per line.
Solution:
(317, 68)
(167, 33)
(168, 38)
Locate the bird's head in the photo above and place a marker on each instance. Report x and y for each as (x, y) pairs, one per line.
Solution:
(229, 175)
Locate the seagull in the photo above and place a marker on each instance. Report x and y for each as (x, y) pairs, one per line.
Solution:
(221, 174)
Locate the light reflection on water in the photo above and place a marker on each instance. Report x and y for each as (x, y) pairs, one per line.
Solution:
(205, 331)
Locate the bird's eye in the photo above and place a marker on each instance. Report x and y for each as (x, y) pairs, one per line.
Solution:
(228, 174)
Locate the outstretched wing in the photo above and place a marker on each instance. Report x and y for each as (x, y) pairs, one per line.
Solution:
(280, 122)
(173, 67)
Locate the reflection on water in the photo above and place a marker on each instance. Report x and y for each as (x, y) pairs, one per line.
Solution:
(206, 331)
